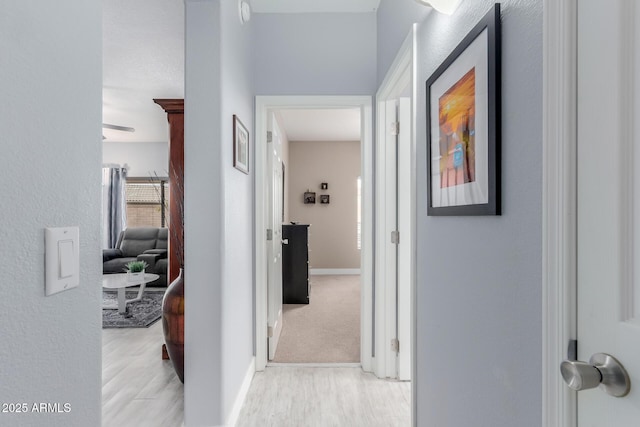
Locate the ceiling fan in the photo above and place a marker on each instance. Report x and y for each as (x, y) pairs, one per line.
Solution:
(116, 127)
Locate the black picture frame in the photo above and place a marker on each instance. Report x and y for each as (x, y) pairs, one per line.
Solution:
(464, 126)
(324, 199)
(309, 198)
(324, 186)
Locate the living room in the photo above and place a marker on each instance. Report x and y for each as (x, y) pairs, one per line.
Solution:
(143, 60)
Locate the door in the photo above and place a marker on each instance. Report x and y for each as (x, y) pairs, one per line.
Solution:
(608, 230)
(405, 252)
(394, 253)
(274, 252)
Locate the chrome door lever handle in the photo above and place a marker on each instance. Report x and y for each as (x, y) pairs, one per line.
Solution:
(285, 241)
(603, 370)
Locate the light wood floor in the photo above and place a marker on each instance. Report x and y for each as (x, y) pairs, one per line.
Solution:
(325, 397)
(139, 389)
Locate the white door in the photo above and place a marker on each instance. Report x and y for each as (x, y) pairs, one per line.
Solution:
(394, 252)
(274, 261)
(405, 252)
(608, 230)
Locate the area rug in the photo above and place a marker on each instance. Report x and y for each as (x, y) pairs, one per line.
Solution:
(139, 314)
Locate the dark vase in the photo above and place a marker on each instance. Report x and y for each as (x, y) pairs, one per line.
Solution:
(173, 323)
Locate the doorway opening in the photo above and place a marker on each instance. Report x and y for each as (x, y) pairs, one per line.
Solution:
(314, 311)
(269, 239)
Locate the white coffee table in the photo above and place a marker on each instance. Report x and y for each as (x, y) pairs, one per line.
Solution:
(121, 282)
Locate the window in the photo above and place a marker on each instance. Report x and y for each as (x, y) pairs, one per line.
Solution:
(147, 202)
(359, 214)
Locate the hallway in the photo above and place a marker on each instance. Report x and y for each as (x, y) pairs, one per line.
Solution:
(325, 397)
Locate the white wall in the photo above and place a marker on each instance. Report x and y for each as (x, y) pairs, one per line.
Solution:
(394, 22)
(314, 53)
(218, 212)
(479, 279)
(144, 159)
(50, 116)
(238, 299)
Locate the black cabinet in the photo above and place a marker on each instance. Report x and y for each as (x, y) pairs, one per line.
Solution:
(295, 264)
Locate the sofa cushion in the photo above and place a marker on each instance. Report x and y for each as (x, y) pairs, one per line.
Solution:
(137, 240)
(108, 254)
(163, 235)
(117, 265)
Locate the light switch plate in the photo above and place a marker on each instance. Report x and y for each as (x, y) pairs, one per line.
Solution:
(62, 259)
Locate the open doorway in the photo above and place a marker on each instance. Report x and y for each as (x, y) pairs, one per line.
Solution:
(268, 329)
(319, 151)
(379, 350)
(143, 60)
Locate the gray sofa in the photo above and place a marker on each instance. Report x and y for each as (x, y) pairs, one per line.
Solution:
(147, 244)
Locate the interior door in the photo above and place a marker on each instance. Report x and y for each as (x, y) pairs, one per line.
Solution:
(405, 253)
(394, 257)
(274, 263)
(608, 227)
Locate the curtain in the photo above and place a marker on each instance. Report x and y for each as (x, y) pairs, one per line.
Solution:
(114, 204)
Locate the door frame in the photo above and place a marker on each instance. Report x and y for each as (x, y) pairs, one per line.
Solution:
(272, 125)
(263, 104)
(559, 194)
(401, 74)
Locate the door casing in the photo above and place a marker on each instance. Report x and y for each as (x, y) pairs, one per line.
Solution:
(388, 363)
(263, 105)
(559, 193)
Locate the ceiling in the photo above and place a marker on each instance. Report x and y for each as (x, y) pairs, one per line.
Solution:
(312, 6)
(321, 125)
(143, 59)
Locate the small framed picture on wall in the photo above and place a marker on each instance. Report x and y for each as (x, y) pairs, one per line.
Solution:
(240, 146)
(324, 199)
(309, 198)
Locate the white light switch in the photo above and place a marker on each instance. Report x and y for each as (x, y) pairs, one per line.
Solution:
(65, 253)
(62, 259)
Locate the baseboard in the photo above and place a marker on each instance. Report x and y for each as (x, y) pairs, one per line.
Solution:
(232, 419)
(334, 271)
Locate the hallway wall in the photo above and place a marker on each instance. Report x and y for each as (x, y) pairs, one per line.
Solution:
(219, 295)
(314, 53)
(479, 278)
(50, 115)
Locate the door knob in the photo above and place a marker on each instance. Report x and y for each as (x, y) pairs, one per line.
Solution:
(285, 241)
(603, 370)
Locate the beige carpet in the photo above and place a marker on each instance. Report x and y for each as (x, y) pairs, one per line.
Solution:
(327, 330)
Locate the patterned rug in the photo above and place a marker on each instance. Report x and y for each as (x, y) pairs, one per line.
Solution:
(139, 314)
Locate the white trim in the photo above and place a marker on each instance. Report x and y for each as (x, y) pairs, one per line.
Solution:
(334, 271)
(559, 207)
(263, 104)
(400, 75)
(627, 160)
(367, 242)
(232, 419)
(385, 325)
(414, 242)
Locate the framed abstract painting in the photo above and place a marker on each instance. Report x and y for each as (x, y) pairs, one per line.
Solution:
(463, 125)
